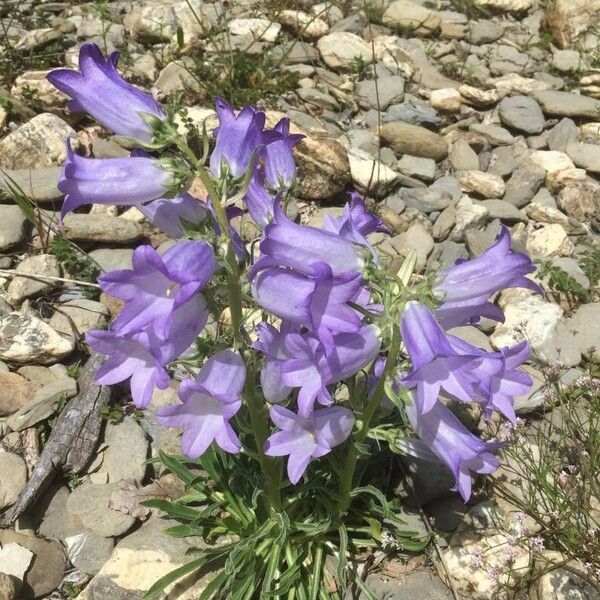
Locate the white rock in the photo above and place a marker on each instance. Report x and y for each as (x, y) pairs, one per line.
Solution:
(483, 184)
(13, 477)
(370, 175)
(552, 160)
(529, 317)
(446, 100)
(24, 287)
(403, 13)
(468, 215)
(38, 143)
(340, 50)
(513, 83)
(261, 29)
(516, 6)
(477, 97)
(26, 339)
(34, 85)
(15, 560)
(550, 240)
(307, 26)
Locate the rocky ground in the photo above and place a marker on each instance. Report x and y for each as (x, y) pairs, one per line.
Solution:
(453, 117)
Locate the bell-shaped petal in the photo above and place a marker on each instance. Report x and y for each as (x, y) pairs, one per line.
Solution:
(169, 214)
(318, 302)
(122, 181)
(238, 139)
(355, 218)
(466, 287)
(436, 365)
(99, 90)
(280, 166)
(296, 360)
(258, 200)
(287, 244)
(208, 403)
(304, 438)
(157, 286)
(463, 452)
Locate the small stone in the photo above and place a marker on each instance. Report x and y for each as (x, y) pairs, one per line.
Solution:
(307, 26)
(323, 168)
(511, 6)
(446, 100)
(12, 226)
(38, 143)
(580, 200)
(415, 238)
(566, 61)
(417, 141)
(13, 474)
(425, 200)
(27, 339)
(36, 38)
(566, 104)
(412, 111)
(24, 287)
(495, 134)
(415, 166)
(112, 259)
(586, 156)
(39, 185)
(15, 561)
(484, 32)
(530, 317)
(562, 134)
(45, 573)
(552, 161)
(468, 215)
(479, 98)
(43, 404)
(505, 211)
(88, 552)
(15, 392)
(261, 29)
(341, 50)
(36, 84)
(444, 223)
(482, 184)
(420, 20)
(8, 587)
(127, 451)
(175, 77)
(101, 228)
(381, 93)
(550, 240)
(77, 317)
(524, 184)
(89, 502)
(522, 113)
(463, 157)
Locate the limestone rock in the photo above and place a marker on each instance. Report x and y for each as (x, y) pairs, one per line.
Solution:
(35, 83)
(446, 100)
(341, 49)
(13, 475)
(482, 184)
(77, 317)
(261, 29)
(15, 392)
(323, 168)
(24, 287)
(567, 104)
(586, 156)
(522, 113)
(101, 228)
(585, 324)
(420, 20)
(550, 240)
(127, 451)
(8, 587)
(512, 6)
(12, 226)
(307, 26)
(580, 200)
(417, 141)
(552, 161)
(40, 185)
(569, 19)
(38, 143)
(90, 503)
(468, 215)
(27, 339)
(369, 175)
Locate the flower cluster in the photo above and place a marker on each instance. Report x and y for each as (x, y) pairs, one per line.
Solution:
(330, 308)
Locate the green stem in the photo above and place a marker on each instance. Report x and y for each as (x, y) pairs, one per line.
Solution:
(256, 408)
(347, 476)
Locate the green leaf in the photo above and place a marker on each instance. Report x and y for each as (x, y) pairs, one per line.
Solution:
(342, 558)
(173, 509)
(158, 588)
(20, 198)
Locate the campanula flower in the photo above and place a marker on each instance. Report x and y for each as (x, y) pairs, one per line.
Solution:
(299, 360)
(208, 403)
(436, 365)
(238, 139)
(99, 90)
(463, 452)
(158, 285)
(169, 214)
(123, 181)
(318, 301)
(258, 200)
(280, 166)
(304, 438)
(466, 287)
(355, 222)
(287, 244)
(142, 356)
